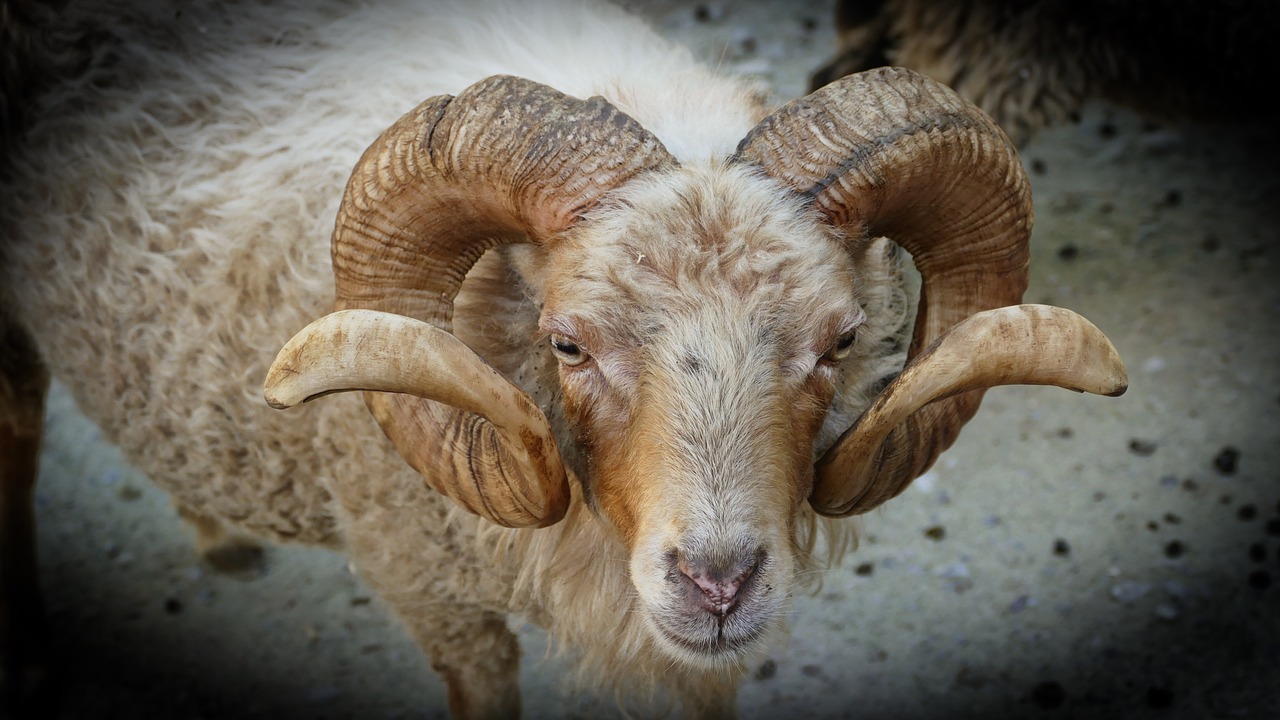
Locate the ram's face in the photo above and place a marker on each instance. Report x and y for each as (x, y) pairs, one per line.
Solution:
(700, 323)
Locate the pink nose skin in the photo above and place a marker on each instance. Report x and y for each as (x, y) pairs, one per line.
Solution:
(715, 588)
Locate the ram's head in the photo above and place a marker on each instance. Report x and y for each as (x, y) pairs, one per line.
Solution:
(701, 318)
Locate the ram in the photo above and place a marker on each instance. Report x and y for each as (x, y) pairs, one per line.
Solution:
(1033, 63)
(624, 335)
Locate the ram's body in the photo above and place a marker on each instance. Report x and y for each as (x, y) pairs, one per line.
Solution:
(1032, 63)
(166, 228)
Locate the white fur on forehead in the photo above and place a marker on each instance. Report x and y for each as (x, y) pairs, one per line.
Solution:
(671, 243)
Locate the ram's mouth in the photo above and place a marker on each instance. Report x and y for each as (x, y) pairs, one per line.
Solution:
(714, 645)
(708, 641)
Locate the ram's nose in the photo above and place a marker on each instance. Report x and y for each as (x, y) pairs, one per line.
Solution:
(716, 586)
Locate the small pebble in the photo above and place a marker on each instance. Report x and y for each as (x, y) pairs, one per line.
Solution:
(1172, 518)
(1142, 448)
(1020, 603)
(1226, 459)
(1061, 548)
(128, 493)
(1129, 592)
(709, 12)
(1174, 549)
(935, 533)
(1176, 589)
(865, 569)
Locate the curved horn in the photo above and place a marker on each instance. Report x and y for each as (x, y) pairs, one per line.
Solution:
(890, 152)
(507, 160)
(384, 352)
(1018, 345)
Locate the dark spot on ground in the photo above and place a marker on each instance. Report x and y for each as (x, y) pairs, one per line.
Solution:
(1038, 166)
(865, 569)
(1260, 579)
(1061, 548)
(1173, 198)
(1273, 527)
(1258, 552)
(1048, 695)
(937, 532)
(1174, 549)
(1142, 448)
(767, 669)
(1107, 130)
(173, 606)
(1210, 244)
(1158, 697)
(1247, 512)
(1226, 459)
(1068, 252)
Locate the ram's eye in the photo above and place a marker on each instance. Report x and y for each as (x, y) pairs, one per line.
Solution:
(842, 347)
(567, 351)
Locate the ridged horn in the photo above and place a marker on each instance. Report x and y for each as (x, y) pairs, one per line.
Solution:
(507, 160)
(891, 153)
(1016, 345)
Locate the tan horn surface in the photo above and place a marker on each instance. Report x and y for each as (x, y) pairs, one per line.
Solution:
(1018, 345)
(377, 351)
(891, 153)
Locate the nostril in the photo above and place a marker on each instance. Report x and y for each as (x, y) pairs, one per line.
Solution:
(716, 586)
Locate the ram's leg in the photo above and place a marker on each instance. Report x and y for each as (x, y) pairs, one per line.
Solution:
(422, 563)
(227, 551)
(476, 655)
(24, 630)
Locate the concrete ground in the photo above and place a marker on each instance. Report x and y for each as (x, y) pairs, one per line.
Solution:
(1071, 557)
